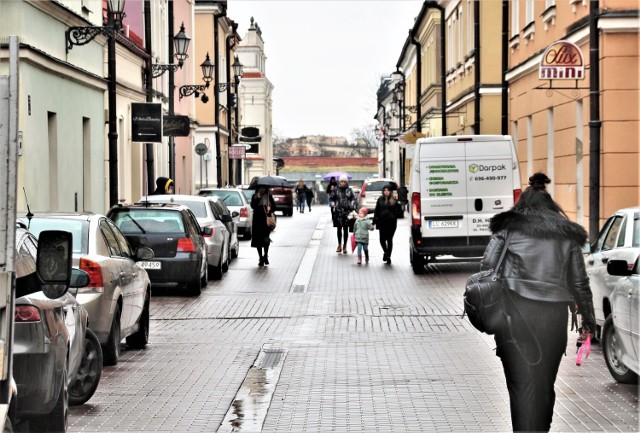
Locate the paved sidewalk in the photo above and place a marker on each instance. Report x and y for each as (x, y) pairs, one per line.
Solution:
(368, 348)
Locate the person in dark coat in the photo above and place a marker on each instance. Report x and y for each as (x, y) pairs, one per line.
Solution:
(545, 275)
(333, 184)
(309, 197)
(385, 219)
(262, 204)
(164, 185)
(343, 202)
(301, 194)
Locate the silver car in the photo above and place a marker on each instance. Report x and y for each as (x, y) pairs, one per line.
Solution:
(620, 332)
(236, 201)
(58, 360)
(371, 190)
(219, 242)
(118, 296)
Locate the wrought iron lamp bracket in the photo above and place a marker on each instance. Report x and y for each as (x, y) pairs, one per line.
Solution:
(412, 108)
(158, 70)
(224, 86)
(84, 35)
(190, 89)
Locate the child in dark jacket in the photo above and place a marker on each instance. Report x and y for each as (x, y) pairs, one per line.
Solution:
(361, 229)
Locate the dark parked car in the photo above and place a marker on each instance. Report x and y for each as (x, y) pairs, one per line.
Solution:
(58, 360)
(283, 196)
(173, 233)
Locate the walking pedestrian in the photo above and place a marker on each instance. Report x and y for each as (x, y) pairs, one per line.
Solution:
(301, 195)
(343, 201)
(309, 196)
(164, 185)
(333, 184)
(361, 229)
(544, 272)
(262, 204)
(385, 219)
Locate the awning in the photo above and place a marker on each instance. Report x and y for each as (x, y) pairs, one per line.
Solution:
(412, 136)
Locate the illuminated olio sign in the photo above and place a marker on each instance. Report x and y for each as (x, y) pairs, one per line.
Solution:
(562, 60)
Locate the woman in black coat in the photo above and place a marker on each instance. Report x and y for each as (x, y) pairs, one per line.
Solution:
(385, 219)
(343, 202)
(545, 274)
(262, 204)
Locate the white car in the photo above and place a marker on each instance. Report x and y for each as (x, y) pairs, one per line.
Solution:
(619, 239)
(371, 191)
(620, 333)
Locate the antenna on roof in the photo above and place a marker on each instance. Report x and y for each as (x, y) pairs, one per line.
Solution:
(29, 214)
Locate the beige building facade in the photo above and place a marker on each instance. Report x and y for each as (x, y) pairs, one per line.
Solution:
(550, 119)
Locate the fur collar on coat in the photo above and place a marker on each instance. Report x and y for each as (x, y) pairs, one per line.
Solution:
(538, 223)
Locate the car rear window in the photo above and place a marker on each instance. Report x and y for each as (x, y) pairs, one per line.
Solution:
(198, 208)
(376, 186)
(79, 230)
(135, 221)
(230, 198)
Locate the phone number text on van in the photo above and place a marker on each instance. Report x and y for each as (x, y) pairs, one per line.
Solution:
(483, 178)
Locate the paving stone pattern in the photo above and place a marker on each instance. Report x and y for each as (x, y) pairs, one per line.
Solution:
(369, 348)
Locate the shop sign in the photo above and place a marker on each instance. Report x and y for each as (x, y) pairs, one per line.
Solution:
(176, 126)
(562, 60)
(237, 152)
(146, 122)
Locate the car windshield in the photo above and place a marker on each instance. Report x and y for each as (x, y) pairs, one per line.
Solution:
(79, 229)
(248, 193)
(135, 221)
(230, 198)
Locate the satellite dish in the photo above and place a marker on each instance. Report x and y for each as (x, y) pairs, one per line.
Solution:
(201, 149)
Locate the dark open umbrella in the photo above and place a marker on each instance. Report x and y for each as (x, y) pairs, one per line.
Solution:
(268, 181)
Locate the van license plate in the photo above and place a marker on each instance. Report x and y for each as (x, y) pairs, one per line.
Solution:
(443, 224)
(150, 265)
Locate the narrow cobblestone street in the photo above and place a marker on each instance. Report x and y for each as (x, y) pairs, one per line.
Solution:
(344, 348)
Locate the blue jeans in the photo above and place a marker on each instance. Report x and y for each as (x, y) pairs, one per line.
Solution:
(362, 246)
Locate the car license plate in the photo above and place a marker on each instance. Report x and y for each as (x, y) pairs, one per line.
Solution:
(150, 265)
(443, 224)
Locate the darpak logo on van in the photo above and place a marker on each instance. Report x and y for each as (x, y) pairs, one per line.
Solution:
(474, 168)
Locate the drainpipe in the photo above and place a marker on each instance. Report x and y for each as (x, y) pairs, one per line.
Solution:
(443, 69)
(418, 46)
(216, 106)
(148, 147)
(476, 70)
(227, 47)
(505, 66)
(172, 143)
(595, 123)
(384, 140)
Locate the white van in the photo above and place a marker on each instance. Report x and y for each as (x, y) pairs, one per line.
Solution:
(457, 184)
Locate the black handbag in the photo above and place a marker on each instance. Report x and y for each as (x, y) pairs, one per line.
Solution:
(483, 298)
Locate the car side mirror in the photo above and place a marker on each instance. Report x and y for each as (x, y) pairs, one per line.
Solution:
(235, 213)
(618, 267)
(145, 253)
(226, 218)
(206, 231)
(587, 248)
(53, 262)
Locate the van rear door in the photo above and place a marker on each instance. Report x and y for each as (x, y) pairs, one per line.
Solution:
(443, 189)
(464, 181)
(489, 178)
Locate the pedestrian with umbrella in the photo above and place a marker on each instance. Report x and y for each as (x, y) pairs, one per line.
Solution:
(385, 219)
(343, 202)
(263, 205)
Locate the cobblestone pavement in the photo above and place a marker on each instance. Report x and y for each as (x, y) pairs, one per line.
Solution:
(365, 348)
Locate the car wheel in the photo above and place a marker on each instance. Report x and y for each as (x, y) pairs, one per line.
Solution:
(194, 287)
(417, 263)
(140, 338)
(216, 271)
(111, 350)
(613, 354)
(225, 265)
(57, 420)
(247, 235)
(236, 251)
(86, 381)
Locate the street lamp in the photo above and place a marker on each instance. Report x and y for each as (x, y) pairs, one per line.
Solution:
(180, 47)
(237, 73)
(84, 35)
(196, 89)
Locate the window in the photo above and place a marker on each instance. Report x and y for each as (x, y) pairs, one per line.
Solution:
(515, 18)
(550, 149)
(470, 42)
(109, 237)
(460, 35)
(528, 17)
(612, 234)
(125, 249)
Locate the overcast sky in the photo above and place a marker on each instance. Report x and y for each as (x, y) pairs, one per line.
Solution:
(325, 58)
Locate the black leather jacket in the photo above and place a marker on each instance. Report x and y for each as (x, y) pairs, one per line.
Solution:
(544, 261)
